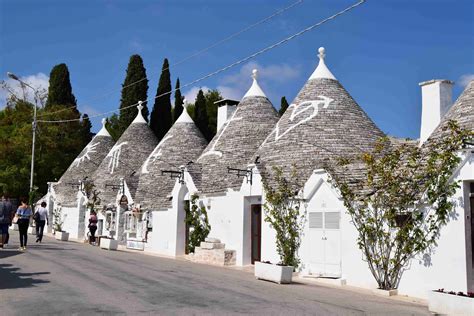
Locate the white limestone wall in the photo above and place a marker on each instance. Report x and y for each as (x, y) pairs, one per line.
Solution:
(70, 217)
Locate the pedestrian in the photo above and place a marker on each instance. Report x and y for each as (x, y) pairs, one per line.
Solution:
(23, 213)
(10, 211)
(92, 227)
(41, 218)
(4, 220)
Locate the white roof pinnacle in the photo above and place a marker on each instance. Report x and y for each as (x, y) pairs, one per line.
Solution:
(255, 90)
(139, 118)
(103, 131)
(322, 70)
(184, 117)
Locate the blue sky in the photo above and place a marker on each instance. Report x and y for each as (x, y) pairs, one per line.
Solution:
(379, 52)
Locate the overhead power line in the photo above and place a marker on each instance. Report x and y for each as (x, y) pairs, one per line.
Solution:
(264, 50)
(200, 52)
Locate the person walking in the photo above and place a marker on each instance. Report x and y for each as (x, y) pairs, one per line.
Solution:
(4, 220)
(41, 218)
(92, 227)
(11, 213)
(24, 213)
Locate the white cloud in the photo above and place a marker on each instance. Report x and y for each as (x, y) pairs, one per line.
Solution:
(39, 81)
(465, 79)
(89, 110)
(235, 85)
(191, 94)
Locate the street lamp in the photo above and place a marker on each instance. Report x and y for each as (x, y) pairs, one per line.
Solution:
(14, 77)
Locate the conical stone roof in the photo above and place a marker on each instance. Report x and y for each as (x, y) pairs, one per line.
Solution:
(321, 123)
(182, 144)
(125, 159)
(83, 166)
(462, 112)
(237, 140)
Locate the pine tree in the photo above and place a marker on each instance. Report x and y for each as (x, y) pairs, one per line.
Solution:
(178, 102)
(284, 105)
(134, 89)
(161, 120)
(60, 90)
(200, 115)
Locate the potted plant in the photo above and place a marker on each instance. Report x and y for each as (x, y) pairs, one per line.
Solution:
(284, 214)
(59, 234)
(451, 303)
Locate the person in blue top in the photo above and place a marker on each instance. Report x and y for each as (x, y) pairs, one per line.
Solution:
(23, 213)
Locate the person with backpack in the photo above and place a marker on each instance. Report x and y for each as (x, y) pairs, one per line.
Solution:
(23, 214)
(92, 227)
(40, 218)
(4, 221)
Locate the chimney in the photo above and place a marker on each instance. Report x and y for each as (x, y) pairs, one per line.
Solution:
(436, 99)
(225, 110)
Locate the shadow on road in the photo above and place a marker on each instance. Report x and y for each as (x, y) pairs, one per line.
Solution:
(9, 253)
(12, 279)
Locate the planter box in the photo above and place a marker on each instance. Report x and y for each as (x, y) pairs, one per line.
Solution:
(109, 244)
(385, 292)
(272, 272)
(32, 230)
(63, 236)
(443, 303)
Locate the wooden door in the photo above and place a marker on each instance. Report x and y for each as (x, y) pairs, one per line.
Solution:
(256, 232)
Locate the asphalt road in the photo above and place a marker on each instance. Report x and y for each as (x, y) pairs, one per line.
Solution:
(67, 278)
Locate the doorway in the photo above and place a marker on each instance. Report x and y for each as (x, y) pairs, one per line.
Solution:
(256, 232)
(325, 243)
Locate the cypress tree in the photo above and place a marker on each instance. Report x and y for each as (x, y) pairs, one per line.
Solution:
(86, 129)
(283, 106)
(60, 89)
(200, 115)
(161, 120)
(178, 102)
(212, 96)
(132, 93)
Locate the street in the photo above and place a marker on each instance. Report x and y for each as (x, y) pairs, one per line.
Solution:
(68, 278)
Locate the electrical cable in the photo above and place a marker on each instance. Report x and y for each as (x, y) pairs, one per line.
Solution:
(264, 50)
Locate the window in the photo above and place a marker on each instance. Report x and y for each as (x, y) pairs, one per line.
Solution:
(130, 222)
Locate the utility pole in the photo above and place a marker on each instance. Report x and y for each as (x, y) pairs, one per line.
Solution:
(24, 84)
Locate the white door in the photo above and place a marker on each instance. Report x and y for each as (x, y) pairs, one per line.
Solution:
(325, 243)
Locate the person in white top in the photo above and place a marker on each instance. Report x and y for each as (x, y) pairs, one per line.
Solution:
(41, 218)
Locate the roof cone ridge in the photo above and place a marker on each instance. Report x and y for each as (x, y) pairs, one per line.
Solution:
(184, 117)
(255, 90)
(322, 70)
(139, 118)
(103, 131)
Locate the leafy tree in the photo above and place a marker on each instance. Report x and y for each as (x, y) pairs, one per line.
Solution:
(113, 126)
(283, 106)
(402, 203)
(197, 222)
(212, 96)
(134, 89)
(178, 102)
(161, 119)
(60, 89)
(200, 115)
(191, 110)
(86, 126)
(283, 212)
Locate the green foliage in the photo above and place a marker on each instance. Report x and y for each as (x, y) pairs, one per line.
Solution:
(191, 110)
(113, 126)
(283, 212)
(403, 202)
(197, 222)
(161, 119)
(283, 106)
(200, 114)
(60, 89)
(178, 102)
(93, 199)
(212, 96)
(134, 89)
(57, 220)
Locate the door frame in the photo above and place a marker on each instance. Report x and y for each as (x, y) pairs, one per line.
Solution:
(252, 232)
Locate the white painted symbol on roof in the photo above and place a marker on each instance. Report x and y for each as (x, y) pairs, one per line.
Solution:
(90, 148)
(155, 154)
(298, 109)
(213, 151)
(114, 156)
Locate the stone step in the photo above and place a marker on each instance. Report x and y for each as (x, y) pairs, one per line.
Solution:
(210, 239)
(211, 245)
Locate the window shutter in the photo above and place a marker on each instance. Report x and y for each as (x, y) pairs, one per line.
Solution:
(331, 220)
(316, 220)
